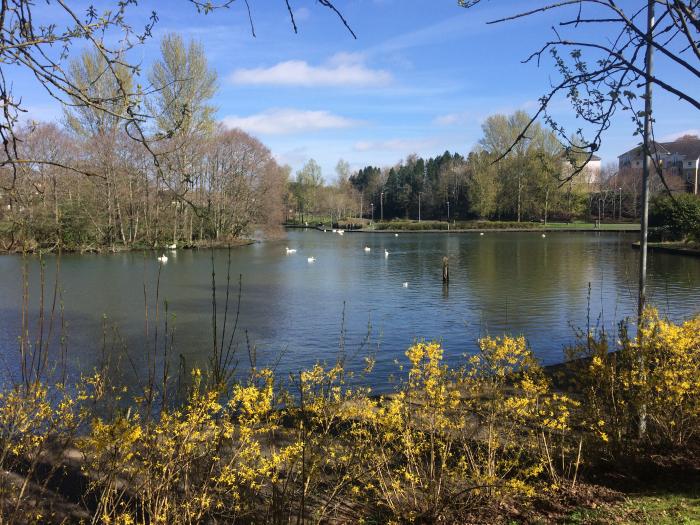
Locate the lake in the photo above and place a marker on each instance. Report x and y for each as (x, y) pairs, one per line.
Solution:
(293, 312)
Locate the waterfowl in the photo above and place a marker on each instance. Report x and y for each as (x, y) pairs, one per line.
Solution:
(311, 259)
(405, 285)
(290, 251)
(481, 233)
(163, 259)
(368, 249)
(386, 252)
(172, 246)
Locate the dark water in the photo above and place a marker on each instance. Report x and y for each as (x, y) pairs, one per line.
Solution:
(294, 311)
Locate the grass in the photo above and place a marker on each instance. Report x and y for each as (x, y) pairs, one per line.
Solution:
(500, 225)
(431, 225)
(591, 226)
(659, 508)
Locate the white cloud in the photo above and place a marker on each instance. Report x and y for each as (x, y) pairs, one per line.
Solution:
(293, 157)
(279, 121)
(674, 136)
(475, 115)
(303, 13)
(343, 69)
(453, 119)
(401, 145)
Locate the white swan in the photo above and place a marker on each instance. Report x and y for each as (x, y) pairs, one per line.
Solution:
(543, 235)
(290, 251)
(386, 252)
(334, 230)
(405, 285)
(341, 232)
(368, 249)
(172, 246)
(481, 233)
(311, 259)
(396, 235)
(163, 259)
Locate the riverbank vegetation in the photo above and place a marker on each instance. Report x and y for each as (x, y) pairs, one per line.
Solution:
(495, 438)
(498, 225)
(196, 182)
(193, 181)
(677, 218)
(538, 180)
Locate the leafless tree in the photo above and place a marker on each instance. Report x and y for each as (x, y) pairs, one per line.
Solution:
(41, 39)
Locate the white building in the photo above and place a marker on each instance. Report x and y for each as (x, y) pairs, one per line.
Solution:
(590, 175)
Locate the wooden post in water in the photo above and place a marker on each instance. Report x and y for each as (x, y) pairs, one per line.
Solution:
(445, 270)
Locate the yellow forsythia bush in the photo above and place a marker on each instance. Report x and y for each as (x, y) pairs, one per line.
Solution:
(450, 439)
(204, 459)
(651, 376)
(36, 425)
(447, 440)
(665, 381)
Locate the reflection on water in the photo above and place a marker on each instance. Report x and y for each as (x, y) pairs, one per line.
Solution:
(518, 283)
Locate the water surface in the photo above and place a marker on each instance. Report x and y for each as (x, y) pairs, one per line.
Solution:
(293, 312)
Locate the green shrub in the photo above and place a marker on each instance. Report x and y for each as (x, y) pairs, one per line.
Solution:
(677, 217)
(460, 225)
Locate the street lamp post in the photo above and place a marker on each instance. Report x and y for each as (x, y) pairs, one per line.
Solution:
(372, 206)
(448, 212)
(614, 203)
(381, 205)
(620, 203)
(419, 194)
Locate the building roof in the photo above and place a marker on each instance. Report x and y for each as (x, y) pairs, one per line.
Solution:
(688, 147)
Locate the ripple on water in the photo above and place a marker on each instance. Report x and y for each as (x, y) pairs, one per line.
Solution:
(499, 283)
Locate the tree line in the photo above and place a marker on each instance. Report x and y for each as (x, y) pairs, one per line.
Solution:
(536, 178)
(182, 178)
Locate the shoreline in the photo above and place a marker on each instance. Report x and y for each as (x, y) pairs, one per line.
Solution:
(633, 228)
(678, 248)
(101, 250)
(542, 229)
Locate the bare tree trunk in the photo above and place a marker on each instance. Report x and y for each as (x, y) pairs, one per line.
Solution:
(191, 226)
(55, 201)
(520, 190)
(110, 212)
(136, 227)
(121, 222)
(645, 201)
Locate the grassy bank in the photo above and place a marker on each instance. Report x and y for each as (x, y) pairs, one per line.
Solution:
(118, 248)
(660, 507)
(683, 248)
(438, 226)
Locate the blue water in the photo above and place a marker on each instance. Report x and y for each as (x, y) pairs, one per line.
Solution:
(294, 313)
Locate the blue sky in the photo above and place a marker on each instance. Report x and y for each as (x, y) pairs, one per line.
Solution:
(420, 78)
